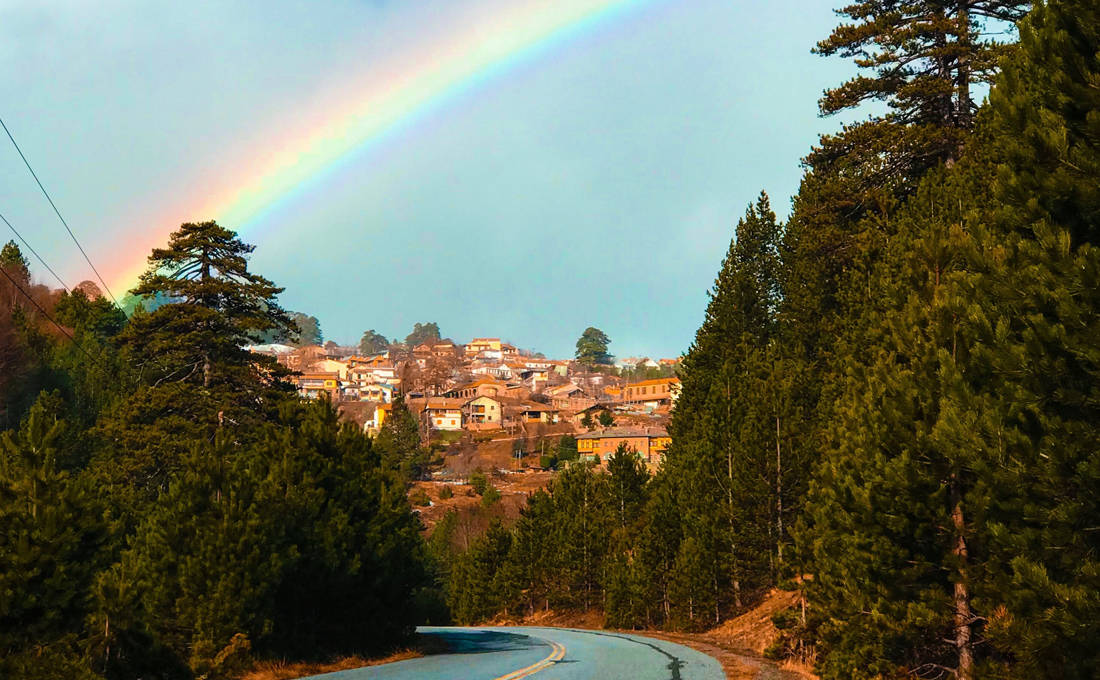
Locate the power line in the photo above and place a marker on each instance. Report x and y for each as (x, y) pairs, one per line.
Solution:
(33, 252)
(47, 315)
(57, 212)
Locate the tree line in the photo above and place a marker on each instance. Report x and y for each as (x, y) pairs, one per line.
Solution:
(169, 508)
(893, 403)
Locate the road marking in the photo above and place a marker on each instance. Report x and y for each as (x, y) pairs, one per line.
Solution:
(557, 653)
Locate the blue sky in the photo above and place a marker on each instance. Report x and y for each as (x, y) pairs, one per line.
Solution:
(596, 185)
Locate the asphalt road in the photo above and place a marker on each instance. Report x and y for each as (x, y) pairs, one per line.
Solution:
(545, 654)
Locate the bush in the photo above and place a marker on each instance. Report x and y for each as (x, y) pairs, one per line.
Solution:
(419, 497)
(785, 618)
(490, 496)
(479, 482)
(446, 492)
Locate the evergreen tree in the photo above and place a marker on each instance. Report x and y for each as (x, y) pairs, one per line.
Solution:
(721, 441)
(218, 306)
(624, 581)
(592, 348)
(309, 329)
(580, 499)
(1047, 284)
(50, 536)
(373, 343)
(421, 333)
(923, 58)
(398, 442)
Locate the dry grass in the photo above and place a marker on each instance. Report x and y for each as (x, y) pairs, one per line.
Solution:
(283, 670)
(754, 629)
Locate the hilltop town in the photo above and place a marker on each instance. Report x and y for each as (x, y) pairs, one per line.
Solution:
(488, 391)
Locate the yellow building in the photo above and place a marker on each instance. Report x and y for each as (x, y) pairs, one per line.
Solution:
(653, 393)
(650, 443)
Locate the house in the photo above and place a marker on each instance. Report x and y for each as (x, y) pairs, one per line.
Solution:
(487, 387)
(313, 385)
(442, 413)
(374, 373)
(482, 412)
(376, 392)
(502, 371)
(568, 397)
(530, 412)
(330, 366)
(649, 443)
(593, 412)
(657, 393)
(380, 414)
(479, 345)
(444, 350)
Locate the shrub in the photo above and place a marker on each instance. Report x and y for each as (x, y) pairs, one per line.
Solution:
(479, 482)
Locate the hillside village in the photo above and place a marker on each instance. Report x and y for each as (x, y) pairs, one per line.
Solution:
(489, 390)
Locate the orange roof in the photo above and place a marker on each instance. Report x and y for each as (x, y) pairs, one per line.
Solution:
(321, 375)
(655, 381)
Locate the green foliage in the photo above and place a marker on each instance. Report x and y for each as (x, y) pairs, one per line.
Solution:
(419, 496)
(446, 492)
(479, 482)
(309, 329)
(592, 348)
(50, 534)
(724, 460)
(567, 448)
(490, 496)
(373, 343)
(217, 307)
(398, 442)
(13, 261)
(922, 58)
(606, 419)
(170, 508)
(421, 333)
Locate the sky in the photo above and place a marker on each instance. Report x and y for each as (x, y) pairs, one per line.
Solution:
(519, 169)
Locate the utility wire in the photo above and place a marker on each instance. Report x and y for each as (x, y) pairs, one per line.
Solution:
(33, 252)
(57, 212)
(47, 315)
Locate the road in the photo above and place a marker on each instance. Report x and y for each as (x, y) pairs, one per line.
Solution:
(545, 654)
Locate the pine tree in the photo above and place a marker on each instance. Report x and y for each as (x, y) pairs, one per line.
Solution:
(623, 580)
(1047, 283)
(580, 500)
(50, 537)
(398, 442)
(896, 510)
(217, 306)
(592, 348)
(924, 58)
(720, 452)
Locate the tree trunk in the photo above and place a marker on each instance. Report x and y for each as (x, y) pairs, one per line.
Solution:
(963, 616)
(962, 85)
(778, 496)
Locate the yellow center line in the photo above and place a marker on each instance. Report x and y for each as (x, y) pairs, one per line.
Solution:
(557, 653)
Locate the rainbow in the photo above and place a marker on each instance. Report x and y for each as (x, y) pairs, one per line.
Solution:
(520, 32)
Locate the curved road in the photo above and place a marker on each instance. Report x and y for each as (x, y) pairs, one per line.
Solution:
(543, 654)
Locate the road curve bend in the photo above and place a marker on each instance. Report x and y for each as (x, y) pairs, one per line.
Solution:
(512, 653)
